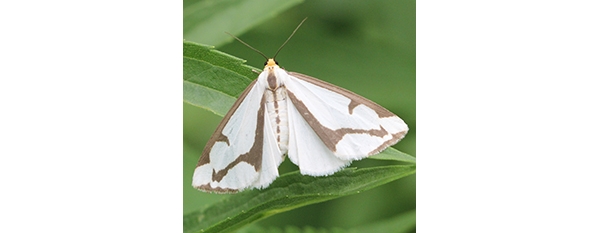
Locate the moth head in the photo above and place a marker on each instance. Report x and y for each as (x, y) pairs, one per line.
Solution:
(270, 64)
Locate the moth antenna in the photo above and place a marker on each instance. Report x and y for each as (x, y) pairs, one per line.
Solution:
(247, 45)
(294, 32)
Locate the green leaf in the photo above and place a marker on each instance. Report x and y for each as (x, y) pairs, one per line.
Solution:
(290, 191)
(393, 154)
(290, 229)
(212, 79)
(207, 21)
(405, 222)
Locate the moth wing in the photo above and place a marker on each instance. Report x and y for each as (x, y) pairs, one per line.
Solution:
(307, 150)
(350, 126)
(271, 157)
(233, 158)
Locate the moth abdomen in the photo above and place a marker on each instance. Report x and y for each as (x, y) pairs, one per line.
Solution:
(277, 115)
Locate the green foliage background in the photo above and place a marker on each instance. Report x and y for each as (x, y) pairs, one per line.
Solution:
(367, 47)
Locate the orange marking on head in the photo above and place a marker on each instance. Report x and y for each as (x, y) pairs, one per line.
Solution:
(271, 62)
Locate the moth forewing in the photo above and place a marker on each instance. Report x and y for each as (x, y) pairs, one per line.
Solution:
(351, 126)
(232, 157)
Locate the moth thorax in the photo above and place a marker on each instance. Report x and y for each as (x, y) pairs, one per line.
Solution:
(278, 117)
(272, 81)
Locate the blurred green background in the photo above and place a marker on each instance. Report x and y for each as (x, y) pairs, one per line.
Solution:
(367, 47)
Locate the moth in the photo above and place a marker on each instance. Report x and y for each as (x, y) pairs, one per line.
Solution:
(321, 127)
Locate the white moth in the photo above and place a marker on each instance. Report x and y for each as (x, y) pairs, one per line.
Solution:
(321, 127)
